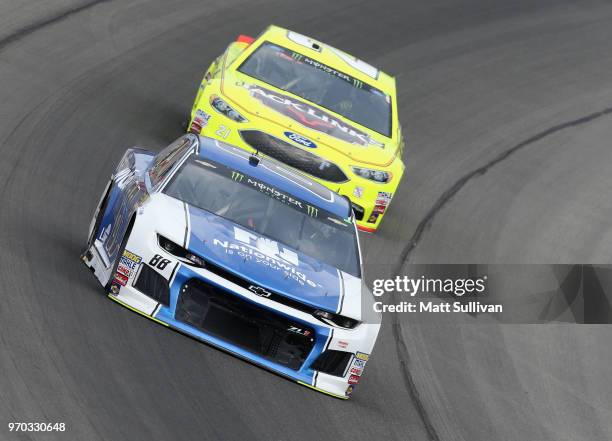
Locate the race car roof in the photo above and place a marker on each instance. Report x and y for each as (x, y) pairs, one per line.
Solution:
(331, 56)
(275, 174)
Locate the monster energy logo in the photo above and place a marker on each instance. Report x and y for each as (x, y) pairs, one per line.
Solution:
(357, 83)
(238, 177)
(312, 211)
(296, 56)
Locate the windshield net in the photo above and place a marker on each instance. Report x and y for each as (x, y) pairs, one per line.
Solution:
(320, 84)
(265, 209)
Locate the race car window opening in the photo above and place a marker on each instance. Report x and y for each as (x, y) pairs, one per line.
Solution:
(267, 211)
(320, 84)
(165, 160)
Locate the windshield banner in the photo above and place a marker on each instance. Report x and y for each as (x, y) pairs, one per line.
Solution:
(274, 193)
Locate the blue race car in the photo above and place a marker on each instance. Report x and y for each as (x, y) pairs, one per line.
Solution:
(239, 252)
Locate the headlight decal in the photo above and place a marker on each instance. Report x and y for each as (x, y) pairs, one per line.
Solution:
(335, 319)
(225, 109)
(379, 176)
(176, 250)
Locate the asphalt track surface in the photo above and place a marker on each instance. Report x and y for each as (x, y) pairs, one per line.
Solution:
(506, 108)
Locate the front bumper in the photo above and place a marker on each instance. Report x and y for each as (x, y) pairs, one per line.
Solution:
(371, 199)
(258, 328)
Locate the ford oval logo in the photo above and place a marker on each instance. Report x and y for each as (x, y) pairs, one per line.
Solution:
(302, 140)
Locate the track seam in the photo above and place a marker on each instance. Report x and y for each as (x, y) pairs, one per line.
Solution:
(36, 26)
(402, 354)
(446, 197)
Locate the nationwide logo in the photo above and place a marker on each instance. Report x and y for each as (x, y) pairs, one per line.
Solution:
(265, 252)
(302, 140)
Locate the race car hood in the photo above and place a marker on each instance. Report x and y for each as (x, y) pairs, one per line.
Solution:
(328, 132)
(269, 264)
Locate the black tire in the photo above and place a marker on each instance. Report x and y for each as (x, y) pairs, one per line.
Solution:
(185, 123)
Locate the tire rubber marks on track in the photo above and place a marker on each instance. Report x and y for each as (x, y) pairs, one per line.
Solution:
(404, 358)
(445, 198)
(33, 27)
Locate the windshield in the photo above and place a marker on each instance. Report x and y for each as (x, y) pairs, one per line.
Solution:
(262, 208)
(320, 84)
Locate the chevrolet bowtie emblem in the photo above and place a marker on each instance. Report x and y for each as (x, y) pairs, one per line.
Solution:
(258, 290)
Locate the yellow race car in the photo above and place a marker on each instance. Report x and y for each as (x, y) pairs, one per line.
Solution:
(311, 106)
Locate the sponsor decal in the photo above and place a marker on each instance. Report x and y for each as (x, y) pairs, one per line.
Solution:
(275, 193)
(200, 114)
(122, 269)
(285, 56)
(380, 209)
(200, 120)
(383, 198)
(301, 140)
(121, 279)
(358, 192)
(265, 252)
(237, 176)
(266, 246)
(130, 260)
(349, 390)
(362, 356)
(359, 363)
(312, 211)
(128, 263)
(373, 217)
(352, 61)
(279, 196)
(342, 344)
(311, 117)
(195, 128)
(353, 379)
(356, 371)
